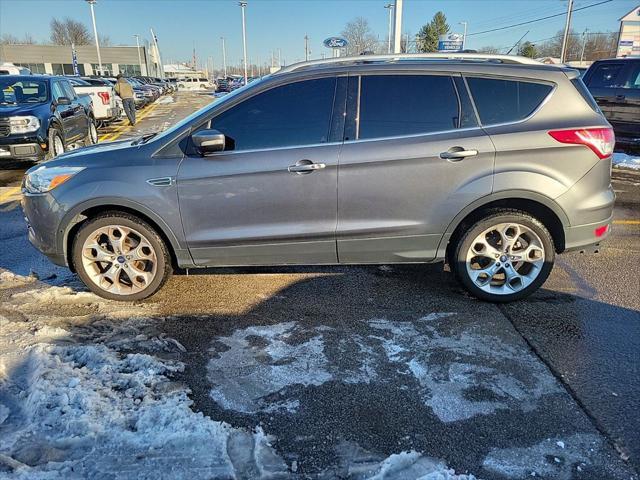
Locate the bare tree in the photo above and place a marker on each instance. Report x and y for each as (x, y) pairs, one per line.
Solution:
(360, 37)
(68, 31)
(489, 49)
(105, 41)
(8, 39)
(595, 46)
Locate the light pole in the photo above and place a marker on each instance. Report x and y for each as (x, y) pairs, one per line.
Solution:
(137, 37)
(306, 48)
(565, 37)
(585, 35)
(244, 40)
(389, 6)
(95, 33)
(224, 57)
(397, 27)
(464, 35)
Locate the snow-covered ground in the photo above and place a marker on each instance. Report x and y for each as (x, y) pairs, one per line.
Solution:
(87, 390)
(623, 160)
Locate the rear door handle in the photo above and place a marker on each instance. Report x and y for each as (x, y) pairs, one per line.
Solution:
(305, 166)
(453, 154)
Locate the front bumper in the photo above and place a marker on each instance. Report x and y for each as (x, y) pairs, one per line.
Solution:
(22, 151)
(43, 216)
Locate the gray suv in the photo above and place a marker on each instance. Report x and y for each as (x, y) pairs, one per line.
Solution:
(492, 165)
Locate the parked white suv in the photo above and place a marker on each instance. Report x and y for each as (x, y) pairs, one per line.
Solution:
(194, 84)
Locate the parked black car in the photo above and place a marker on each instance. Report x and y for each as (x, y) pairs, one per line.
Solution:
(40, 117)
(615, 84)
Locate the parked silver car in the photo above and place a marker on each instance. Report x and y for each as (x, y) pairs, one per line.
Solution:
(493, 165)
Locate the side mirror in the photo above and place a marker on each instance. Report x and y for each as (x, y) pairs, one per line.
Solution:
(208, 141)
(63, 101)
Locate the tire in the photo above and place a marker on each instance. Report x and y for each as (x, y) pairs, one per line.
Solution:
(505, 256)
(108, 263)
(56, 144)
(92, 133)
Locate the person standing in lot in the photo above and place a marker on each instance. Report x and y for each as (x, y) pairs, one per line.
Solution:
(125, 91)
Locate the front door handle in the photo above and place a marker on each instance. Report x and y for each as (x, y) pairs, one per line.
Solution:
(457, 153)
(305, 166)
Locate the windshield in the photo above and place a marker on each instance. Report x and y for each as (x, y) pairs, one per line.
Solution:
(218, 101)
(22, 91)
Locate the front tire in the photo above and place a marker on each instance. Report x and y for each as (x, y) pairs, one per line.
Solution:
(56, 144)
(120, 257)
(505, 256)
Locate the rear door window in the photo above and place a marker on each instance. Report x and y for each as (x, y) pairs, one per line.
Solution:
(504, 101)
(395, 105)
(632, 79)
(606, 75)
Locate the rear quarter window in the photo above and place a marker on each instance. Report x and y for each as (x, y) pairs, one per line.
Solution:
(503, 101)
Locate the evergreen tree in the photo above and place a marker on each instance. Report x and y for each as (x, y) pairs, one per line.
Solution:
(429, 34)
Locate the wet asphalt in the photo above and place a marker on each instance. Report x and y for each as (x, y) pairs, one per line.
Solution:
(407, 361)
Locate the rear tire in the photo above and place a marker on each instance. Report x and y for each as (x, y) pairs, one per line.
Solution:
(120, 257)
(92, 133)
(505, 256)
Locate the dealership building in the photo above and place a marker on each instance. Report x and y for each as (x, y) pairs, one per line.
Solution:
(629, 37)
(58, 59)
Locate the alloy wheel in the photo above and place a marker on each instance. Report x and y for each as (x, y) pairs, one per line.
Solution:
(505, 258)
(119, 259)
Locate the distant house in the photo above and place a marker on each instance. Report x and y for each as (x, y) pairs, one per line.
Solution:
(629, 37)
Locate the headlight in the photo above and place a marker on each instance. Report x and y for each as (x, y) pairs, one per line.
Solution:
(44, 179)
(23, 124)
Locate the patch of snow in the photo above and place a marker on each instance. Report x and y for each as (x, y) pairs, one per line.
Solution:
(165, 100)
(471, 380)
(521, 462)
(412, 464)
(622, 160)
(257, 362)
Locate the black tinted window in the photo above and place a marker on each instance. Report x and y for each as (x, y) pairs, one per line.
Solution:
(393, 105)
(501, 101)
(605, 75)
(294, 114)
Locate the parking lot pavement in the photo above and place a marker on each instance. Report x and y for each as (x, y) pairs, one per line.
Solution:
(325, 372)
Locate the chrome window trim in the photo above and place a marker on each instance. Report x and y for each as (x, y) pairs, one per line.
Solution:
(271, 149)
(414, 135)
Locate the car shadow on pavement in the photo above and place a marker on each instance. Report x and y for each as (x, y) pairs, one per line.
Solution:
(342, 366)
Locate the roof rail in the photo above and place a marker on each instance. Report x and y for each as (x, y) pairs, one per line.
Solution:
(507, 59)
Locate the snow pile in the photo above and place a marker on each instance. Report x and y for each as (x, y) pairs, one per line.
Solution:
(75, 402)
(622, 160)
(165, 100)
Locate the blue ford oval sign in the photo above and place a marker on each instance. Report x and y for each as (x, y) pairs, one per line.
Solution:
(335, 42)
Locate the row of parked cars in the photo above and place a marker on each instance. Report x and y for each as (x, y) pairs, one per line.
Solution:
(42, 116)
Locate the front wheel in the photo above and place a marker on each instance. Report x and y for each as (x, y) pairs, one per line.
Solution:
(506, 256)
(56, 144)
(120, 257)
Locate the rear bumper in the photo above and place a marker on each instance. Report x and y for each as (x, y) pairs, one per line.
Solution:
(581, 236)
(22, 151)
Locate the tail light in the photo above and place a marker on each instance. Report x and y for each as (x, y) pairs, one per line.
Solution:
(600, 140)
(105, 97)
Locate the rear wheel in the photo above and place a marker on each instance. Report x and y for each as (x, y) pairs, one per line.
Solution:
(506, 256)
(92, 133)
(120, 257)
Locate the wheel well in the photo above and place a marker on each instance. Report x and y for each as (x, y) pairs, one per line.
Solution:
(543, 213)
(92, 212)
